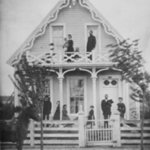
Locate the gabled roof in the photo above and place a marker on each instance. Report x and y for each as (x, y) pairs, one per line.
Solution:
(52, 16)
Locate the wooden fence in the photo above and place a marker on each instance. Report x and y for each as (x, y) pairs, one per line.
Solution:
(88, 133)
(54, 133)
(131, 133)
(103, 132)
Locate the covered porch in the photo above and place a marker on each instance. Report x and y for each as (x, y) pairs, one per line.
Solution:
(80, 88)
(79, 80)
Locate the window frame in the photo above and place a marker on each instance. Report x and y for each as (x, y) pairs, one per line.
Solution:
(84, 97)
(55, 25)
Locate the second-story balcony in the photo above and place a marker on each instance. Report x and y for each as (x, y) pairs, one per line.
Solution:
(68, 59)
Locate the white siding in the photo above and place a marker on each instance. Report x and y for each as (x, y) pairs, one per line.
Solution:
(75, 20)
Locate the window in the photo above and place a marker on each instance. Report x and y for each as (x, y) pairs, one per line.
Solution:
(76, 95)
(57, 37)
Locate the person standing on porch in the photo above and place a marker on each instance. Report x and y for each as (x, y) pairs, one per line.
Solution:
(122, 109)
(106, 109)
(91, 116)
(70, 48)
(47, 108)
(65, 113)
(57, 112)
(91, 43)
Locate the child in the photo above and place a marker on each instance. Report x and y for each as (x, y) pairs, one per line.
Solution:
(91, 116)
(65, 113)
(121, 109)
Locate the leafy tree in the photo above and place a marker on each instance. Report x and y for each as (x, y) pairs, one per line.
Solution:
(30, 82)
(129, 60)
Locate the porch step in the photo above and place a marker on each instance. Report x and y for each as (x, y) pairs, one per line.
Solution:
(55, 136)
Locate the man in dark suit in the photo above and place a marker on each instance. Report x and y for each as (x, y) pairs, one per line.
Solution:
(106, 108)
(91, 42)
(70, 48)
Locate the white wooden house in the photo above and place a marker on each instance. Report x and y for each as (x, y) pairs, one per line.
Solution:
(78, 79)
(83, 81)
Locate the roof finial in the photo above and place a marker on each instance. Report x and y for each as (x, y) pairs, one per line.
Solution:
(73, 2)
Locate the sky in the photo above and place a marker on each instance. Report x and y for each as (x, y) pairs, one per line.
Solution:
(18, 18)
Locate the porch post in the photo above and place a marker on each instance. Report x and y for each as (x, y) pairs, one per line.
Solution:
(32, 133)
(82, 135)
(60, 77)
(94, 77)
(116, 130)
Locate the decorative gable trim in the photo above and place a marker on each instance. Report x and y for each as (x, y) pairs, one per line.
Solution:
(99, 18)
(51, 17)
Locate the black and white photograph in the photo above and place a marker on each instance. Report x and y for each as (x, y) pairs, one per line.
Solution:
(74, 74)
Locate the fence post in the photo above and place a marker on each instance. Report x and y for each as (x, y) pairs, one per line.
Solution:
(81, 130)
(32, 133)
(116, 130)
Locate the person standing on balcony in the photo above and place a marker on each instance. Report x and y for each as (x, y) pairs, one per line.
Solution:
(50, 55)
(70, 44)
(70, 48)
(51, 47)
(47, 108)
(91, 43)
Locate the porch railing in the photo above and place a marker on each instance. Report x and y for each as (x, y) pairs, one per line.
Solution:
(81, 132)
(54, 133)
(101, 132)
(51, 58)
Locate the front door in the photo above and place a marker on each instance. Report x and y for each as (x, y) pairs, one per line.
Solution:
(109, 85)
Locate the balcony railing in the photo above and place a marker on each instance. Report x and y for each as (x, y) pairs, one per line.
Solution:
(52, 58)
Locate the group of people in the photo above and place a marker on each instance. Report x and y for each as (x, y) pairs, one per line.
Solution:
(68, 45)
(91, 43)
(106, 109)
(47, 110)
(105, 106)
